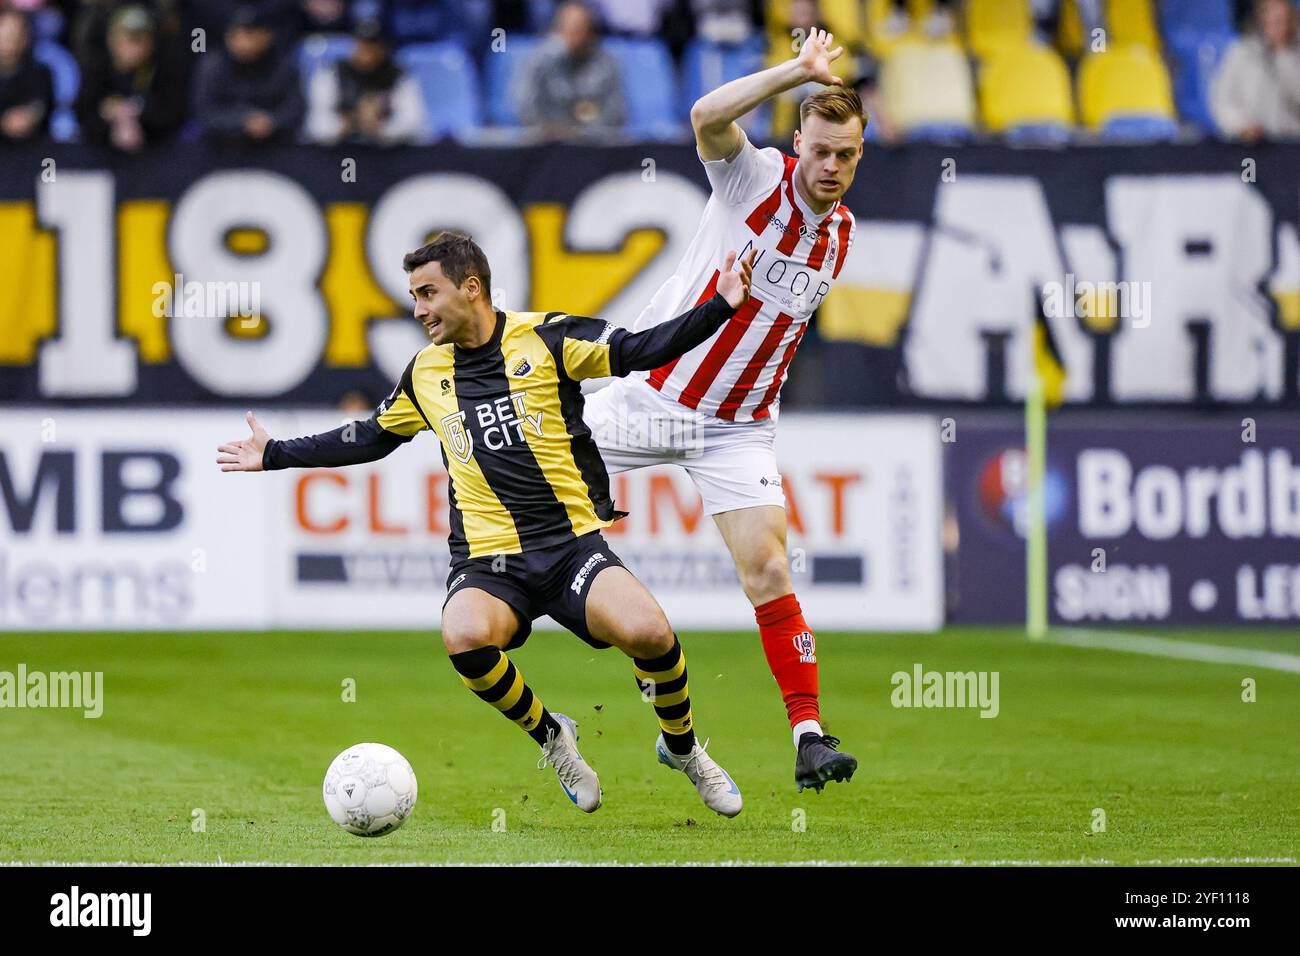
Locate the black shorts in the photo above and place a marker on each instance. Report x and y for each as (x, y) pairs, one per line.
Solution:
(552, 581)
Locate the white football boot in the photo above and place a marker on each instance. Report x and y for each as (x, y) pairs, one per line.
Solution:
(714, 785)
(579, 781)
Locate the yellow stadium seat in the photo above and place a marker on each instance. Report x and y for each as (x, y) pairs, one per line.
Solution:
(1125, 81)
(857, 24)
(1025, 85)
(1132, 21)
(927, 85)
(843, 18)
(994, 24)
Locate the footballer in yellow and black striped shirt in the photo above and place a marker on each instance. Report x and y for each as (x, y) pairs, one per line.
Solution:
(528, 493)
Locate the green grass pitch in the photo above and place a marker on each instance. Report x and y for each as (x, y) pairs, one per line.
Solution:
(244, 725)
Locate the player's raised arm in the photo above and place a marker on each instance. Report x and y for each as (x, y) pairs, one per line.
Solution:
(592, 348)
(714, 115)
(354, 443)
(652, 347)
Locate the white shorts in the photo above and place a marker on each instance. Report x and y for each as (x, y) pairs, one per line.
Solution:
(733, 464)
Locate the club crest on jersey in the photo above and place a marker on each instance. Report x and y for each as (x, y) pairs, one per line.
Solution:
(523, 367)
(806, 645)
(460, 441)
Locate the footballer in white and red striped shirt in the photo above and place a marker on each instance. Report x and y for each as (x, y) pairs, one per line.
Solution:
(713, 411)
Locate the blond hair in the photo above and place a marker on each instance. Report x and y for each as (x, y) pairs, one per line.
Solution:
(839, 104)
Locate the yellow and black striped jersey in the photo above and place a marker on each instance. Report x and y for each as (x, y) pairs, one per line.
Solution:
(524, 470)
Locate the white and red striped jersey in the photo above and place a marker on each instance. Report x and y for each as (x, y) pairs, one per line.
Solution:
(737, 374)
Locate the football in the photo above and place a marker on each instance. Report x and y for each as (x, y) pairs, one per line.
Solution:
(369, 790)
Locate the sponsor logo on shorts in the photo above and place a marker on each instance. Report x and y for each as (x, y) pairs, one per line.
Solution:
(456, 582)
(774, 481)
(580, 579)
(806, 645)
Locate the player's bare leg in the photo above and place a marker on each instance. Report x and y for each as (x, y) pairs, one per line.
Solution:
(475, 627)
(756, 538)
(621, 612)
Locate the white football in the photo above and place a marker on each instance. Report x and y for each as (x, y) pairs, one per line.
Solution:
(370, 790)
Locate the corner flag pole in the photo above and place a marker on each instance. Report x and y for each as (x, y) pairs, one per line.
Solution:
(1036, 526)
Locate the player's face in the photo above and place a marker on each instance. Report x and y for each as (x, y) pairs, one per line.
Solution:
(828, 157)
(443, 309)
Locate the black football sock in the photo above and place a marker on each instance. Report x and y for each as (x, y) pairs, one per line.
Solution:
(663, 680)
(494, 678)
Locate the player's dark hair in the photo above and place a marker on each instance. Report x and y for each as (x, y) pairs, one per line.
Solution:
(459, 256)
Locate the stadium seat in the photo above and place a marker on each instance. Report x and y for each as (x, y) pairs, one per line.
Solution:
(499, 71)
(927, 91)
(649, 87)
(1195, 56)
(706, 66)
(994, 24)
(842, 17)
(1132, 21)
(66, 76)
(1025, 94)
(1203, 16)
(449, 81)
(1125, 94)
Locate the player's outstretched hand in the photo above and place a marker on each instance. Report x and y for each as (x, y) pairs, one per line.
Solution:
(245, 455)
(734, 286)
(816, 55)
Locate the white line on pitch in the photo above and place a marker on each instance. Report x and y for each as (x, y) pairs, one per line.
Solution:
(1170, 647)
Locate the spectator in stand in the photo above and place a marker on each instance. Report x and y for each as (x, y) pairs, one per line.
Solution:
(1256, 92)
(633, 18)
(571, 87)
(726, 21)
(666, 20)
(135, 94)
(323, 16)
(88, 27)
(249, 93)
(367, 98)
(26, 90)
(937, 25)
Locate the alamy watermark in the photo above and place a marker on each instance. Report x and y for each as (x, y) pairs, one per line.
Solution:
(77, 690)
(922, 688)
(192, 299)
(1126, 299)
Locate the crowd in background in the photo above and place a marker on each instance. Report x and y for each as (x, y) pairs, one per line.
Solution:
(129, 74)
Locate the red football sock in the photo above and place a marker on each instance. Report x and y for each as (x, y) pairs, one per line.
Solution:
(791, 653)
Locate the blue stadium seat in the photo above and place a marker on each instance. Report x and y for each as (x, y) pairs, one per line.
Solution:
(1204, 16)
(649, 86)
(449, 81)
(706, 66)
(943, 133)
(1038, 134)
(66, 76)
(1196, 55)
(499, 71)
(1139, 129)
